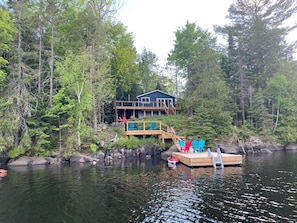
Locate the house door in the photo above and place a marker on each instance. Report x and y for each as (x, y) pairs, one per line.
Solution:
(161, 101)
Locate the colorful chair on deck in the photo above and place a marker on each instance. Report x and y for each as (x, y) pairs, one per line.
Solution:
(153, 126)
(195, 146)
(201, 145)
(188, 146)
(132, 126)
(181, 144)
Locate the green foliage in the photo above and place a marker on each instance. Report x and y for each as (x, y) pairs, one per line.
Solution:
(131, 142)
(16, 152)
(57, 81)
(7, 30)
(40, 138)
(69, 153)
(123, 66)
(148, 141)
(93, 148)
(26, 141)
(258, 117)
(41, 152)
(148, 71)
(245, 132)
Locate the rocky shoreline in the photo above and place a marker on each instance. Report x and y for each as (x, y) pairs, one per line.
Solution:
(101, 157)
(254, 145)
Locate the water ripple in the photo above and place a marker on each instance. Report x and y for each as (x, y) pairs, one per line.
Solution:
(263, 190)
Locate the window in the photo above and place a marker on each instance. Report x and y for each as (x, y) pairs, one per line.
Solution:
(145, 99)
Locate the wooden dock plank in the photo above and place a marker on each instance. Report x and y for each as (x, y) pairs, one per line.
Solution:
(203, 160)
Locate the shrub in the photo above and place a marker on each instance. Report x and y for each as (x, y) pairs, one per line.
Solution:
(15, 152)
(41, 152)
(93, 147)
(129, 143)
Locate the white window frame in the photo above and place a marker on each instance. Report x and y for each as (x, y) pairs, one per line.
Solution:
(145, 100)
(161, 100)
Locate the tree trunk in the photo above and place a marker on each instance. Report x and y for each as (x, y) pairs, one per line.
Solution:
(277, 116)
(242, 85)
(51, 64)
(39, 65)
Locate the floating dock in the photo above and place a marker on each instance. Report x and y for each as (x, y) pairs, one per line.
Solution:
(204, 160)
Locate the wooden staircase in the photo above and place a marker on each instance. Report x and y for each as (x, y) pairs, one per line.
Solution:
(169, 110)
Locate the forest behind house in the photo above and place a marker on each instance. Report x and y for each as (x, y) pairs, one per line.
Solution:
(64, 62)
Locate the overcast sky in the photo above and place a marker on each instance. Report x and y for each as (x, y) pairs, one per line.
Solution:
(153, 22)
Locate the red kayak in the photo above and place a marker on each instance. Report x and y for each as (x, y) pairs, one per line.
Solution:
(172, 160)
(3, 173)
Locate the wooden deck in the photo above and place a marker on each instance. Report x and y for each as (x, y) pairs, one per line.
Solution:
(134, 105)
(203, 160)
(150, 128)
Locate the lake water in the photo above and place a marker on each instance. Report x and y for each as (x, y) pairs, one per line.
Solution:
(264, 189)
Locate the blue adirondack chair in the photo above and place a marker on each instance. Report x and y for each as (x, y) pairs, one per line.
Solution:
(182, 145)
(132, 126)
(195, 146)
(153, 126)
(201, 145)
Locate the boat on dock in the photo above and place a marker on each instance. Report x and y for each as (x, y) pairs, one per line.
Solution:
(208, 159)
(172, 160)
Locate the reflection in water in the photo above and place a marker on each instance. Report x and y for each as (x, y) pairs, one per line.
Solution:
(264, 189)
(190, 194)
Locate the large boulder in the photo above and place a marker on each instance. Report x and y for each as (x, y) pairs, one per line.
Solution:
(168, 153)
(229, 148)
(23, 161)
(255, 144)
(80, 158)
(291, 146)
(40, 161)
(29, 161)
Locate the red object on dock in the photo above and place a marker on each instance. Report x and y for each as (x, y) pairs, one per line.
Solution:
(172, 160)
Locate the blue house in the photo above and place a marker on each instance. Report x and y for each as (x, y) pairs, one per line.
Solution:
(149, 104)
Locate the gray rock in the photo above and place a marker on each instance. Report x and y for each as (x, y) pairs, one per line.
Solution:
(168, 153)
(80, 158)
(100, 155)
(266, 151)
(39, 161)
(291, 146)
(23, 161)
(228, 148)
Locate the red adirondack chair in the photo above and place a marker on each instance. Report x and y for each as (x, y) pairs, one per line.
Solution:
(124, 120)
(188, 146)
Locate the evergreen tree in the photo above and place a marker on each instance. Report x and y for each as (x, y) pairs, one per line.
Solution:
(196, 53)
(256, 38)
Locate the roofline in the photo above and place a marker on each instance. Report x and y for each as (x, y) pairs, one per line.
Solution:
(153, 92)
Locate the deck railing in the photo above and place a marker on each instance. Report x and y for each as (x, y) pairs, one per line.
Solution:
(145, 126)
(140, 105)
(152, 128)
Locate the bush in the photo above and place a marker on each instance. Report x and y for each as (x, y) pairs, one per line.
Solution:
(93, 147)
(129, 143)
(148, 141)
(41, 152)
(15, 152)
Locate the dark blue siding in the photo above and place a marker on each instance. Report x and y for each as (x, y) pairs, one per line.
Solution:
(154, 95)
